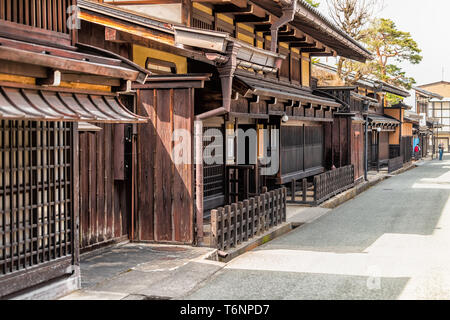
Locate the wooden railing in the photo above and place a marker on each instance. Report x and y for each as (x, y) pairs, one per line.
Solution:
(333, 182)
(395, 164)
(323, 187)
(235, 224)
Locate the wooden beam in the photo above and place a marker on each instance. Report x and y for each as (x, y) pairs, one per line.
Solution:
(272, 101)
(113, 35)
(302, 44)
(233, 9)
(253, 99)
(291, 39)
(250, 18)
(53, 79)
(266, 28)
(238, 3)
(314, 50)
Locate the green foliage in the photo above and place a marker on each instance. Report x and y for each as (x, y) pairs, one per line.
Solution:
(393, 99)
(313, 3)
(391, 47)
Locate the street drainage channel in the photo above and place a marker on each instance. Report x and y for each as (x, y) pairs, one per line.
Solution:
(233, 253)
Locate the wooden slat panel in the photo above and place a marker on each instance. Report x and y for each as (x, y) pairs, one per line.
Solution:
(84, 190)
(119, 152)
(100, 192)
(182, 180)
(163, 166)
(92, 188)
(109, 181)
(146, 158)
(232, 225)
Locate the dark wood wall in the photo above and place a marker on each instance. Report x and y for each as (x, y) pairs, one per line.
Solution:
(94, 35)
(357, 149)
(104, 201)
(165, 189)
(384, 146)
(337, 142)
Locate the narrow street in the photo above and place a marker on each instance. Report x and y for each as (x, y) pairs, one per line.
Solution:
(390, 242)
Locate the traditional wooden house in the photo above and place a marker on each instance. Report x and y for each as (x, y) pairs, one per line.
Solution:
(439, 109)
(363, 116)
(418, 134)
(50, 86)
(401, 140)
(258, 55)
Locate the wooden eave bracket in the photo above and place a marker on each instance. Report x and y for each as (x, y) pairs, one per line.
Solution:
(53, 79)
(125, 87)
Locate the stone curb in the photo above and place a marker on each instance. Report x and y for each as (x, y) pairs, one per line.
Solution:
(258, 241)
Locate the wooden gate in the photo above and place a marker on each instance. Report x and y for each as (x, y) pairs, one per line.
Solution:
(36, 221)
(105, 194)
(165, 189)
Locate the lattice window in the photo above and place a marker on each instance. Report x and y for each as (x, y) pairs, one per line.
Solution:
(35, 193)
(213, 174)
(292, 149)
(202, 20)
(45, 14)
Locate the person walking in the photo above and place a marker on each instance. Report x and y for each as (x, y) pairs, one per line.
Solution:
(441, 151)
(416, 151)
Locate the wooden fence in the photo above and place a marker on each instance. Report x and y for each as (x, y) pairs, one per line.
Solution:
(324, 186)
(395, 164)
(333, 182)
(234, 224)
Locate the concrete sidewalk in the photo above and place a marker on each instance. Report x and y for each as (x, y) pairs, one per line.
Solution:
(143, 272)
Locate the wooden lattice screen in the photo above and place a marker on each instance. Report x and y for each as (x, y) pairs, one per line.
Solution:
(35, 189)
(45, 14)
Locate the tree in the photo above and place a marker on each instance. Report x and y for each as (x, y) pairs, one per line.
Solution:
(392, 47)
(353, 17)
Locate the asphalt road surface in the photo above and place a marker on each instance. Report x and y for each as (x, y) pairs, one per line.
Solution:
(391, 242)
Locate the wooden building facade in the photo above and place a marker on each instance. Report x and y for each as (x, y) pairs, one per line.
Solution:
(257, 57)
(364, 113)
(49, 88)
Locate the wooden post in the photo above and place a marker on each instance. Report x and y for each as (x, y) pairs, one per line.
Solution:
(273, 220)
(241, 222)
(214, 229)
(228, 211)
(198, 127)
(258, 214)
(222, 229)
(234, 212)
(266, 211)
(247, 220)
(293, 190)
(316, 185)
(304, 189)
(252, 217)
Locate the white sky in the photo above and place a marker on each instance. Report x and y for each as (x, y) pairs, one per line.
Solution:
(429, 24)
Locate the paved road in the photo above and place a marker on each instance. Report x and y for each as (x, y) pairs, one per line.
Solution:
(391, 242)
